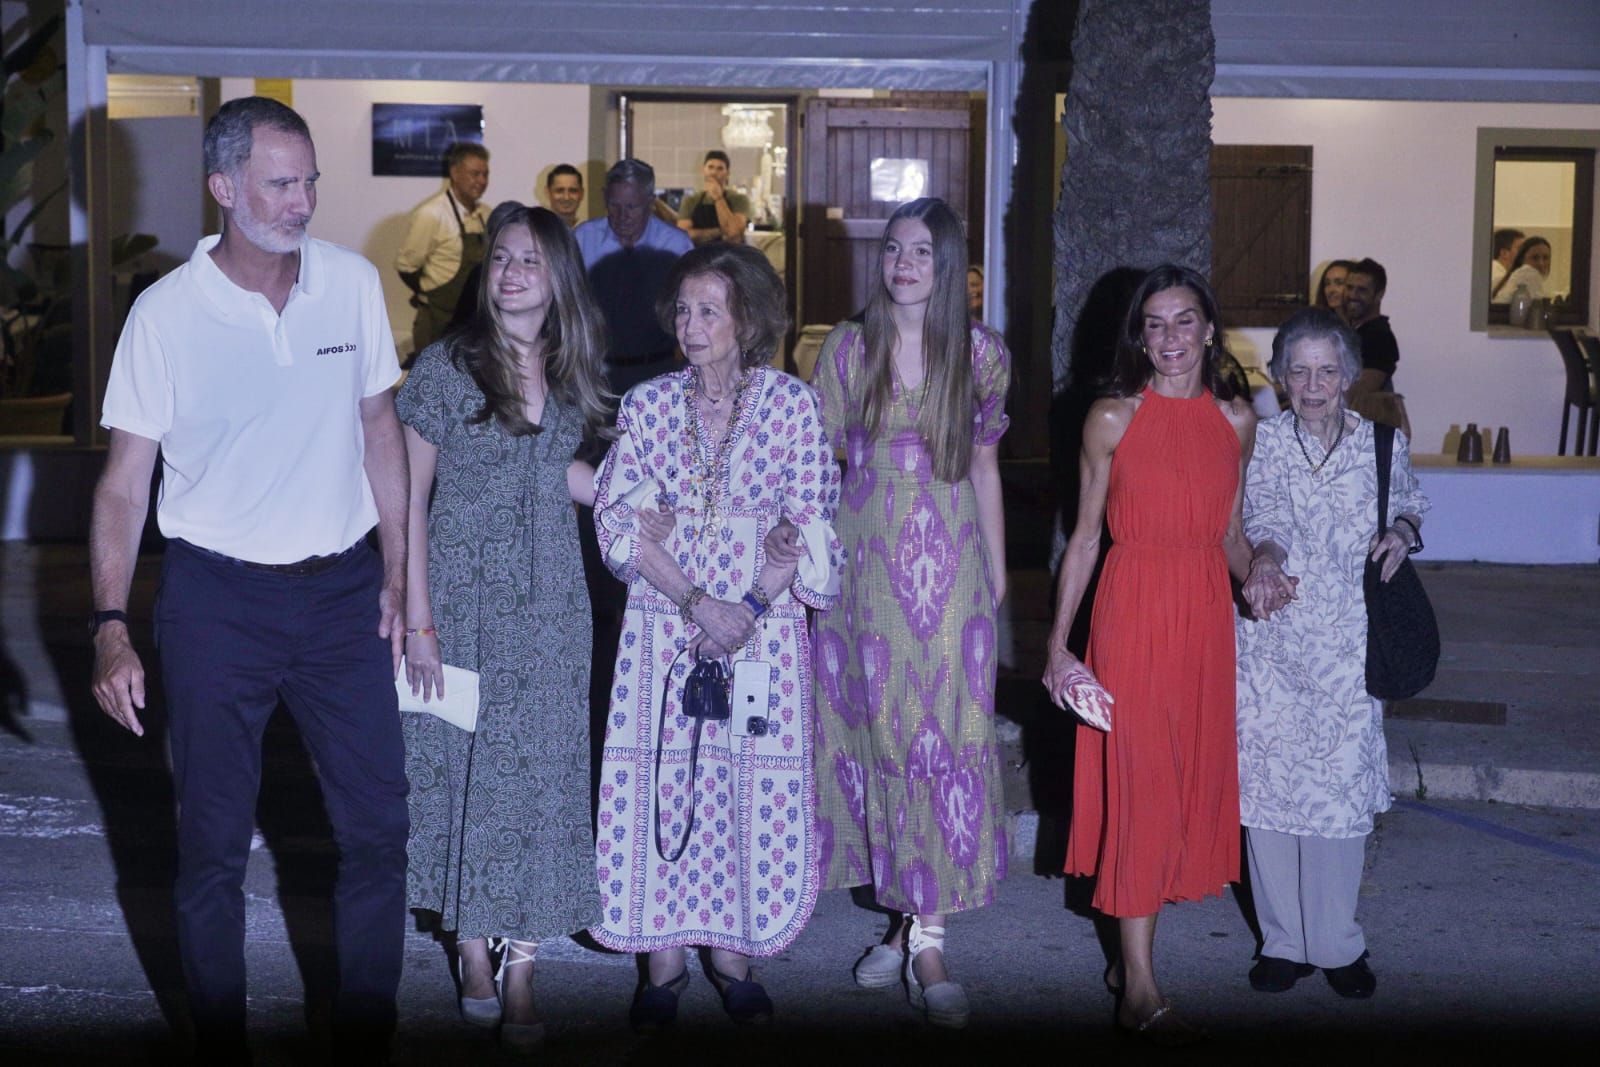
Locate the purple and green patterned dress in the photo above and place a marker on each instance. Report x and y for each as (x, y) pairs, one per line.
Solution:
(908, 773)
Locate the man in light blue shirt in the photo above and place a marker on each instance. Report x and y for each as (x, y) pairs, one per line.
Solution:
(628, 254)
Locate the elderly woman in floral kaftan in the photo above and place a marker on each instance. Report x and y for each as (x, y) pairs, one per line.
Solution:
(1313, 769)
(717, 849)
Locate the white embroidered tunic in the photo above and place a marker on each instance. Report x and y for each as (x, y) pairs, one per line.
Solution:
(1312, 758)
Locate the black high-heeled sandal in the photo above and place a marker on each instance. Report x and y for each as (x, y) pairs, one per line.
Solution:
(655, 1007)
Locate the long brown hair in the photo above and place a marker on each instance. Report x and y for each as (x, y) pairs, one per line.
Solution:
(572, 337)
(945, 419)
(1132, 369)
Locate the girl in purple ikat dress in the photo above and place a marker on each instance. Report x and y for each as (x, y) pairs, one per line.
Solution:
(908, 772)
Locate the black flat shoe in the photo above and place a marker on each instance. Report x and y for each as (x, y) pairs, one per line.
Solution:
(1353, 980)
(655, 1007)
(744, 999)
(1163, 1028)
(1272, 974)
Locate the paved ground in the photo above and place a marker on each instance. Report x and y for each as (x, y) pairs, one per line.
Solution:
(1483, 917)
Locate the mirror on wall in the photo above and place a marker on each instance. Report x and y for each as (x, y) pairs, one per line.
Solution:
(1534, 228)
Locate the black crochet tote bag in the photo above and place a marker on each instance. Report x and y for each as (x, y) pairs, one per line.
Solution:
(1402, 632)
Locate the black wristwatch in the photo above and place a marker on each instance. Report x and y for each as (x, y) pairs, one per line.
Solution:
(100, 618)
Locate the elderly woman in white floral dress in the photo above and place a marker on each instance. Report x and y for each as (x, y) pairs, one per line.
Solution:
(1313, 768)
(706, 827)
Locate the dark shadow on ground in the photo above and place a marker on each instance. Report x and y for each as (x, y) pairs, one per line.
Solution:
(1433, 1037)
(1048, 735)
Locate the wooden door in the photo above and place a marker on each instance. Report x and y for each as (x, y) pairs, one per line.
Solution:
(842, 220)
(1261, 231)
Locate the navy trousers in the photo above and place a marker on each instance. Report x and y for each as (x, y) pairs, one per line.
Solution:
(233, 641)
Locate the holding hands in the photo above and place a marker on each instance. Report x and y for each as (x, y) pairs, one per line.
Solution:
(1268, 588)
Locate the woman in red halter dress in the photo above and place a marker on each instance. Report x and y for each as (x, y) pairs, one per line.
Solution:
(1155, 813)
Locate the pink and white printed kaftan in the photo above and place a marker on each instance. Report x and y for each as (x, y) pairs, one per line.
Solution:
(748, 878)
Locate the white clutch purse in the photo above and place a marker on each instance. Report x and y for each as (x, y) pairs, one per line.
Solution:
(458, 706)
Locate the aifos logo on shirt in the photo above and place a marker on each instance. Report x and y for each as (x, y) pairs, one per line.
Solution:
(334, 350)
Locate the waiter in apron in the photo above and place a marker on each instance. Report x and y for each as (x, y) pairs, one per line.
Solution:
(444, 243)
(715, 213)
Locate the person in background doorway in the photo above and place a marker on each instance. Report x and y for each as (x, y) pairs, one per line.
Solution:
(975, 291)
(1530, 269)
(715, 213)
(444, 241)
(260, 374)
(1507, 243)
(628, 255)
(564, 186)
(1330, 287)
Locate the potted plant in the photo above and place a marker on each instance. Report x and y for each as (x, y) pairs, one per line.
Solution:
(36, 279)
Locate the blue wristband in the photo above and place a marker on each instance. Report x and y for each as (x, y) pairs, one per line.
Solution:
(749, 600)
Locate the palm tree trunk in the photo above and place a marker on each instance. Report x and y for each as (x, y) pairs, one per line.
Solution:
(1136, 187)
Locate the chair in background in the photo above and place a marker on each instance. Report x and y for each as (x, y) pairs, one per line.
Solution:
(1580, 394)
(1591, 353)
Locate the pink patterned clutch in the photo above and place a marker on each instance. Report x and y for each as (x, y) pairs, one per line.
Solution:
(1088, 698)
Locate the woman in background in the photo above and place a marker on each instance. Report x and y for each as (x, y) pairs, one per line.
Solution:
(1330, 287)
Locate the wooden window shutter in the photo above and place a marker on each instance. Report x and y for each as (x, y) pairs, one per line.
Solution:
(1260, 231)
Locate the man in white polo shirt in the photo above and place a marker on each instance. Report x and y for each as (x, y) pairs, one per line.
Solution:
(261, 373)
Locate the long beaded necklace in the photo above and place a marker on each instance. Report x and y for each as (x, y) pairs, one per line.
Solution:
(707, 480)
(1316, 468)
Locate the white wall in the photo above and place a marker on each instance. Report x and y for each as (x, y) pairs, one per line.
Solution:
(527, 128)
(1394, 181)
(157, 186)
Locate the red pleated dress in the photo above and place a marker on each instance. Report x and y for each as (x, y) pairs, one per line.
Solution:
(1155, 811)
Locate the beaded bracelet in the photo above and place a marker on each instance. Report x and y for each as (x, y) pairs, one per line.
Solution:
(690, 599)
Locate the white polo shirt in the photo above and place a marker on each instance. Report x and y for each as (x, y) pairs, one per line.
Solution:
(258, 414)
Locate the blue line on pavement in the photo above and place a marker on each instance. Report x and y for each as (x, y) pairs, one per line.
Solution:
(1505, 833)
